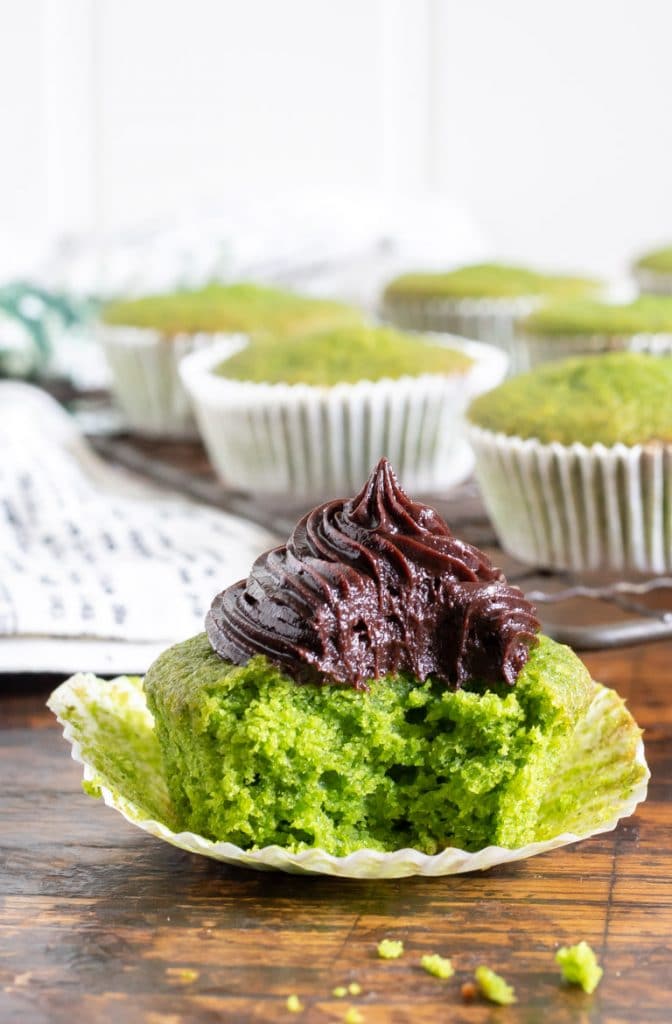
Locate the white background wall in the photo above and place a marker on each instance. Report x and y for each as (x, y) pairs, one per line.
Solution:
(550, 122)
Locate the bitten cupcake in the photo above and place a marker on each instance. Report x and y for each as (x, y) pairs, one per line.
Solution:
(146, 337)
(374, 700)
(482, 301)
(588, 326)
(574, 460)
(307, 415)
(653, 272)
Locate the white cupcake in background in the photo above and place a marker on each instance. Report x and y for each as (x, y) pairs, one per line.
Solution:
(653, 272)
(309, 415)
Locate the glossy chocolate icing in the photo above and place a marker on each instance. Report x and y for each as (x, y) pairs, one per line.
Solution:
(373, 586)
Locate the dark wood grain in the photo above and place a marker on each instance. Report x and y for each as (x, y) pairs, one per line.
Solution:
(95, 916)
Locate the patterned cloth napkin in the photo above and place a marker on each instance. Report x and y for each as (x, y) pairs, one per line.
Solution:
(99, 570)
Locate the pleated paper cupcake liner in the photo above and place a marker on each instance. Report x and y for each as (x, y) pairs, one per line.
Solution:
(317, 441)
(652, 282)
(145, 378)
(577, 507)
(492, 321)
(112, 734)
(534, 349)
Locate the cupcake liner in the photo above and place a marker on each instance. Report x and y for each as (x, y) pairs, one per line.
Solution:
(316, 441)
(652, 282)
(112, 734)
(577, 507)
(145, 378)
(492, 321)
(534, 349)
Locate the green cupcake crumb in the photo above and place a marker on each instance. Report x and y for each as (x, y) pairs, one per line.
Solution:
(579, 966)
(339, 992)
(649, 314)
(658, 260)
(344, 355)
(302, 771)
(390, 949)
(92, 788)
(294, 1004)
(618, 396)
(493, 987)
(439, 966)
(229, 308)
(353, 1016)
(488, 280)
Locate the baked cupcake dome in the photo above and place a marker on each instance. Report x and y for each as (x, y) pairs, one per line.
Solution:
(653, 272)
(481, 301)
(452, 739)
(146, 337)
(309, 415)
(559, 330)
(574, 462)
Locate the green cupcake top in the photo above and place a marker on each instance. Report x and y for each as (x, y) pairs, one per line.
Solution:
(649, 314)
(658, 259)
(229, 308)
(341, 355)
(619, 396)
(489, 280)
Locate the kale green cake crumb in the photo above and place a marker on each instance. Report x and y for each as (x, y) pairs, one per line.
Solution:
(294, 1004)
(438, 966)
(488, 280)
(649, 314)
(618, 396)
(229, 308)
(339, 992)
(493, 987)
(345, 354)
(390, 949)
(254, 758)
(353, 1016)
(579, 966)
(354, 988)
(659, 260)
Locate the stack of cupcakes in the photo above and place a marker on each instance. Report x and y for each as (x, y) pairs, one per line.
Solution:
(145, 339)
(482, 301)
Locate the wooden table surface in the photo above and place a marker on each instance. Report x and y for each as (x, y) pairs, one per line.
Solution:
(100, 922)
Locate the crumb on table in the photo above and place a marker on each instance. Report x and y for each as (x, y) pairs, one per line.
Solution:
(439, 966)
(579, 966)
(390, 949)
(493, 987)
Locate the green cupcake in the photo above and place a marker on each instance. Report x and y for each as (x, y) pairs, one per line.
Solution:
(374, 700)
(482, 301)
(653, 271)
(574, 461)
(589, 326)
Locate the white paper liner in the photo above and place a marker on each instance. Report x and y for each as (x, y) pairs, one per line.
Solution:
(145, 378)
(492, 321)
(317, 441)
(534, 349)
(577, 507)
(652, 282)
(123, 699)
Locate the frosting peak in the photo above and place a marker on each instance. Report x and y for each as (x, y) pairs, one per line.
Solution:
(372, 586)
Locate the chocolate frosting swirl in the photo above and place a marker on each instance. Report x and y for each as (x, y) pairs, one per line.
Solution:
(373, 586)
